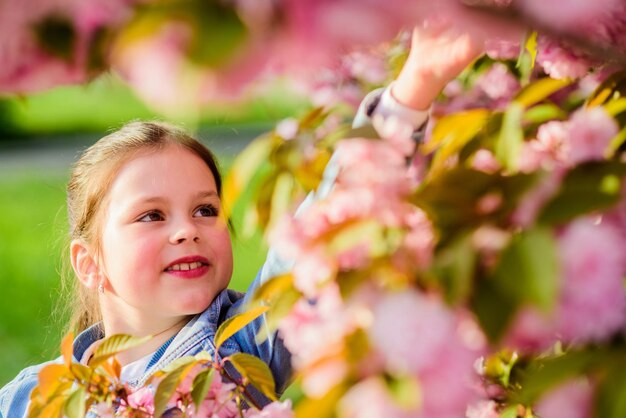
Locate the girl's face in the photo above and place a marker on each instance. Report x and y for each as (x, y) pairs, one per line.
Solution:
(166, 250)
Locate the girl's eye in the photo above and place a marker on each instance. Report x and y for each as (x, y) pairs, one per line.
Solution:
(153, 216)
(206, 211)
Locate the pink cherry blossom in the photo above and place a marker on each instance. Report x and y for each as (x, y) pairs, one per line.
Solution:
(559, 61)
(372, 399)
(272, 410)
(498, 83)
(142, 399)
(485, 161)
(593, 300)
(315, 329)
(569, 14)
(534, 200)
(482, 409)
(409, 329)
(571, 400)
(590, 132)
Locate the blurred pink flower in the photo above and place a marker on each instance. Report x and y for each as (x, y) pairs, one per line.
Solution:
(550, 148)
(498, 83)
(316, 329)
(531, 331)
(273, 410)
(482, 409)
(568, 14)
(498, 49)
(571, 400)
(593, 299)
(312, 270)
(27, 67)
(485, 161)
(371, 398)
(142, 399)
(409, 330)
(534, 200)
(590, 132)
(219, 402)
(559, 61)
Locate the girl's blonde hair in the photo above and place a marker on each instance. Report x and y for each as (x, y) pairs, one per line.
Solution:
(90, 180)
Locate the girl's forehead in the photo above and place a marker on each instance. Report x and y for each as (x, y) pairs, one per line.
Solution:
(173, 162)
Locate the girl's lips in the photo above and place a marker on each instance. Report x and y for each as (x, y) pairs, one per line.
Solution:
(191, 273)
(189, 267)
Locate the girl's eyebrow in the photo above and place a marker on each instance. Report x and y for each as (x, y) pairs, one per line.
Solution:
(209, 193)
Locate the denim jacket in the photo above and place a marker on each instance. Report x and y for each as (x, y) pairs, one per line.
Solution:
(199, 333)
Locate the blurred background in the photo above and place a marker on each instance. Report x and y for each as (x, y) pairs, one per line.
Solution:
(40, 137)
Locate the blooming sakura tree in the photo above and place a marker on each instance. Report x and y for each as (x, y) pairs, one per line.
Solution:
(480, 273)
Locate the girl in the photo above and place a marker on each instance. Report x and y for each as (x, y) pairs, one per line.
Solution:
(150, 245)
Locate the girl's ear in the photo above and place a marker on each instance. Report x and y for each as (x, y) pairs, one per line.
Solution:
(84, 264)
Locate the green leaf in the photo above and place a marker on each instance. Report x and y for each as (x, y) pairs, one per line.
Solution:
(406, 392)
(451, 199)
(547, 373)
(586, 188)
(255, 372)
(201, 385)
(509, 144)
(75, 404)
(611, 395)
(526, 59)
(539, 90)
(218, 31)
(543, 113)
(528, 268)
(113, 345)
(168, 386)
(235, 323)
(453, 269)
(509, 412)
(244, 169)
(493, 308)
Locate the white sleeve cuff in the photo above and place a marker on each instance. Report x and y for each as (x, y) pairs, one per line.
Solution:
(389, 106)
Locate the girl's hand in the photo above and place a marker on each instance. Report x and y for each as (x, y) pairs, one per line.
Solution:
(439, 52)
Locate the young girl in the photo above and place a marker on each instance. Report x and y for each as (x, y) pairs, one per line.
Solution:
(150, 245)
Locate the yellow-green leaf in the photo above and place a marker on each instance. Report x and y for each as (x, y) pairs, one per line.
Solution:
(509, 144)
(168, 386)
(616, 142)
(244, 168)
(255, 372)
(235, 323)
(457, 129)
(115, 344)
(615, 107)
(281, 197)
(540, 90)
(201, 385)
(81, 372)
(75, 405)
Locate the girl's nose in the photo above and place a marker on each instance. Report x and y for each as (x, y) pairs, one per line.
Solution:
(184, 231)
